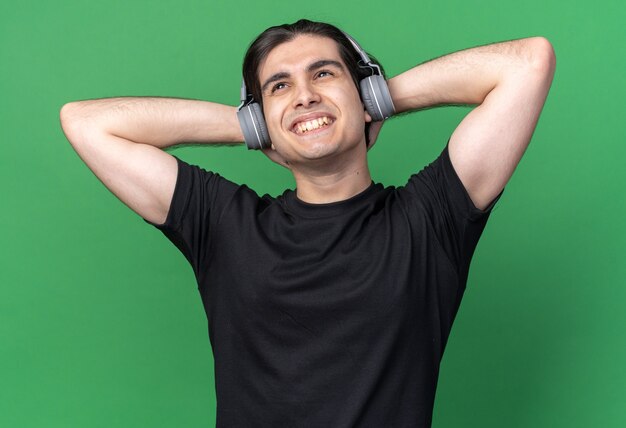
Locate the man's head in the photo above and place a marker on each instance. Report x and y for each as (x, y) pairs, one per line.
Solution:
(273, 37)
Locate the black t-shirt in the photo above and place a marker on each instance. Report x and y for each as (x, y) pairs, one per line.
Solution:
(330, 315)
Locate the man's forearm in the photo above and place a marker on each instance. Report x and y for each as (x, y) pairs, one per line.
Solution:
(465, 77)
(160, 122)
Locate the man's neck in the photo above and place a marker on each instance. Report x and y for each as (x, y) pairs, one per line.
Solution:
(332, 186)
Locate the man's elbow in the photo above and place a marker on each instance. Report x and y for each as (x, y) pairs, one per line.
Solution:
(543, 56)
(70, 120)
(66, 115)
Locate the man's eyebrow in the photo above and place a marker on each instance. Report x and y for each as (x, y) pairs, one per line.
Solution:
(323, 63)
(313, 66)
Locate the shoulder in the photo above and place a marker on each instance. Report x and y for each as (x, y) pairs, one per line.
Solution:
(438, 184)
(198, 179)
(200, 194)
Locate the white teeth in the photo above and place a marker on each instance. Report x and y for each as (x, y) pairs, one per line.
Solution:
(303, 127)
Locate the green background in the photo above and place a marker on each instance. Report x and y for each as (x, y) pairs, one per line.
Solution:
(100, 321)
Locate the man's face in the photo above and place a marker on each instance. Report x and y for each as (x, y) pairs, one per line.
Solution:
(310, 102)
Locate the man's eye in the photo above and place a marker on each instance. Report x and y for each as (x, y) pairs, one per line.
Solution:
(324, 73)
(278, 86)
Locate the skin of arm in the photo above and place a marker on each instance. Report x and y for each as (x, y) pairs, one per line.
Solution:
(159, 122)
(121, 141)
(509, 82)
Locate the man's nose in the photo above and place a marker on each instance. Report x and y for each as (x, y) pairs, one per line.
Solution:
(306, 95)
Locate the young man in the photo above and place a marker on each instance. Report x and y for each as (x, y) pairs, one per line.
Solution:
(330, 305)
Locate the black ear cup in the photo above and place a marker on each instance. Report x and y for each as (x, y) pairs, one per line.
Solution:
(376, 98)
(253, 127)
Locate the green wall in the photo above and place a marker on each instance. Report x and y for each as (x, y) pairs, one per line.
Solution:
(100, 321)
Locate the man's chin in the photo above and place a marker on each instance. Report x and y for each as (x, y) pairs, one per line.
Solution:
(317, 151)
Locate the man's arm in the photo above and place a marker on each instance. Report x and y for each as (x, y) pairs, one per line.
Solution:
(121, 141)
(509, 81)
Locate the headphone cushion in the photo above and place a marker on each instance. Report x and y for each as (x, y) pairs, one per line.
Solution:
(376, 98)
(253, 127)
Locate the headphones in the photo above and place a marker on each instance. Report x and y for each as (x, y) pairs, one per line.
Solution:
(374, 93)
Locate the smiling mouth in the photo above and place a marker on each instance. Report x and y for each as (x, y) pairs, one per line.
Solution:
(304, 127)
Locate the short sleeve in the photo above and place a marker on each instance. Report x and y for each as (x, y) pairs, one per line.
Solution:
(438, 192)
(195, 205)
